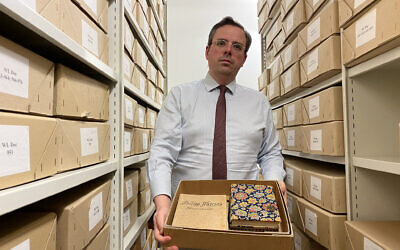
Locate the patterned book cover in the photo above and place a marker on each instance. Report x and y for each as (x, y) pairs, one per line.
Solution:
(253, 207)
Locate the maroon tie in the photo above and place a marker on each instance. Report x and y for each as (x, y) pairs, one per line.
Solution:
(219, 143)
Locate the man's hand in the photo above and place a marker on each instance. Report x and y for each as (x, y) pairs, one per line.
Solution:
(162, 203)
(282, 185)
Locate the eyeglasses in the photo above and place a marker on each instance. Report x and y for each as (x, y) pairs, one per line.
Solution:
(222, 43)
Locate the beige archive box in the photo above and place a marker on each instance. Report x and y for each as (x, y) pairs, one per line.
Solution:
(144, 201)
(294, 175)
(151, 117)
(131, 186)
(294, 138)
(151, 72)
(143, 180)
(151, 90)
(289, 55)
(324, 138)
(81, 144)
(322, 26)
(130, 215)
(294, 210)
(97, 10)
(323, 106)
(286, 6)
(49, 9)
(303, 242)
(161, 82)
(128, 68)
(321, 63)
(295, 20)
(101, 241)
(142, 20)
(141, 138)
(26, 80)
(129, 39)
(292, 115)
(290, 80)
(140, 57)
(128, 141)
(274, 89)
(263, 17)
(282, 138)
(260, 6)
(140, 117)
(77, 95)
(316, 5)
(349, 9)
(273, 32)
(325, 228)
(372, 33)
(140, 80)
(28, 148)
(159, 97)
(27, 230)
(129, 110)
(263, 79)
(277, 116)
(278, 43)
(275, 68)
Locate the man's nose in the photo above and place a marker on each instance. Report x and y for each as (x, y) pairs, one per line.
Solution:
(228, 49)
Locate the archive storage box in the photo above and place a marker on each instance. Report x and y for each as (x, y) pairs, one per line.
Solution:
(128, 39)
(129, 110)
(140, 116)
(277, 116)
(303, 242)
(151, 116)
(263, 79)
(290, 54)
(275, 68)
(143, 180)
(348, 9)
(131, 186)
(130, 215)
(144, 200)
(128, 141)
(227, 239)
(296, 19)
(128, 68)
(290, 80)
(97, 10)
(294, 175)
(274, 89)
(141, 138)
(294, 138)
(292, 113)
(101, 241)
(294, 210)
(282, 138)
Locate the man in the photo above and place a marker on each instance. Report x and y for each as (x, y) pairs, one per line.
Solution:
(213, 128)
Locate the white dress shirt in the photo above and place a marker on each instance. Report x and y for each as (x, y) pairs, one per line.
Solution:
(183, 143)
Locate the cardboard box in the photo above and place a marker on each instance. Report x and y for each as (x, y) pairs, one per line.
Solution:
(35, 75)
(142, 20)
(129, 39)
(372, 33)
(289, 55)
(151, 90)
(292, 114)
(77, 95)
(151, 117)
(263, 79)
(97, 10)
(279, 42)
(151, 73)
(275, 68)
(28, 148)
(295, 20)
(290, 81)
(159, 97)
(316, 5)
(324, 106)
(294, 175)
(277, 116)
(303, 242)
(151, 136)
(273, 32)
(321, 63)
(325, 228)
(263, 17)
(349, 9)
(294, 210)
(294, 138)
(274, 89)
(140, 80)
(25, 230)
(128, 141)
(141, 138)
(260, 6)
(49, 9)
(324, 139)
(140, 57)
(282, 138)
(129, 215)
(269, 57)
(322, 26)
(161, 82)
(128, 68)
(227, 239)
(131, 186)
(81, 144)
(129, 110)
(272, 7)
(143, 179)
(101, 241)
(372, 234)
(140, 116)
(286, 6)
(144, 200)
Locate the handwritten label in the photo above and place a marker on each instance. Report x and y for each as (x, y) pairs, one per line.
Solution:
(291, 138)
(311, 222)
(312, 62)
(291, 113)
(313, 31)
(95, 210)
(127, 142)
(89, 38)
(128, 109)
(316, 140)
(313, 107)
(141, 116)
(129, 190)
(89, 141)
(126, 218)
(25, 245)
(315, 187)
(289, 176)
(366, 28)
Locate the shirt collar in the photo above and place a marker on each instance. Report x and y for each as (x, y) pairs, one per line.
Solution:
(211, 84)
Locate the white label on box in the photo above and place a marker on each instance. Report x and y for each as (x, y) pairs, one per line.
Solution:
(127, 66)
(144, 137)
(315, 2)
(291, 138)
(129, 191)
(311, 221)
(152, 119)
(89, 38)
(289, 22)
(275, 118)
(30, 3)
(153, 94)
(14, 150)
(141, 116)
(366, 28)
(288, 55)
(128, 38)
(297, 241)
(315, 187)
(142, 84)
(127, 142)
(313, 31)
(14, 73)
(126, 218)
(291, 113)
(358, 3)
(92, 5)
(25, 245)
(143, 238)
(369, 245)
(128, 109)
(95, 210)
(316, 140)
(312, 63)
(89, 141)
(289, 176)
(148, 197)
(290, 204)
(313, 107)
(288, 80)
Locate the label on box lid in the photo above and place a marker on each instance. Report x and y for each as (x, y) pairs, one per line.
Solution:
(313, 107)
(95, 210)
(313, 31)
(275, 118)
(291, 113)
(142, 84)
(152, 119)
(89, 141)
(358, 3)
(126, 218)
(127, 142)
(297, 241)
(287, 57)
(144, 137)
(31, 4)
(129, 192)
(366, 28)
(127, 66)
(312, 62)
(289, 204)
(25, 245)
(14, 150)
(291, 138)
(370, 245)
(316, 140)
(289, 176)
(311, 222)
(89, 38)
(14, 73)
(92, 5)
(128, 109)
(289, 22)
(141, 116)
(315, 187)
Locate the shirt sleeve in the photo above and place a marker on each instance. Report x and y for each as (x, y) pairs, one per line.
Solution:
(270, 157)
(166, 144)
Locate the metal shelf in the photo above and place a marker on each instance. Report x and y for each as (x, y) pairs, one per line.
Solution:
(143, 39)
(135, 159)
(129, 87)
(324, 158)
(44, 38)
(25, 194)
(137, 228)
(386, 164)
(157, 20)
(308, 91)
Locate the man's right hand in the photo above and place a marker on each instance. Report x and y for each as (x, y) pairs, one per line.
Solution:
(163, 203)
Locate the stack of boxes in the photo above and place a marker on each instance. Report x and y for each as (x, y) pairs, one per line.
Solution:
(130, 199)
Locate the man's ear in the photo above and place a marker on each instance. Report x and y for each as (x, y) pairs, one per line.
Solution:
(244, 60)
(206, 52)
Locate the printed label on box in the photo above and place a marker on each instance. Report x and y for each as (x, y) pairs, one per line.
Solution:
(92, 5)
(127, 142)
(358, 3)
(370, 245)
(290, 204)
(316, 140)
(31, 4)
(315, 187)
(291, 138)
(128, 38)
(144, 137)
(95, 210)
(14, 150)
(311, 222)
(313, 31)
(129, 191)
(275, 118)
(297, 241)
(14, 73)
(312, 63)
(142, 84)
(291, 113)
(127, 66)
(313, 107)
(289, 22)
(152, 119)
(89, 38)
(25, 245)
(128, 109)
(89, 141)
(288, 55)
(289, 176)
(288, 80)
(366, 28)
(141, 116)
(126, 218)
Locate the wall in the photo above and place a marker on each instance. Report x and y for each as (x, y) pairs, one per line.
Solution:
(188, 25)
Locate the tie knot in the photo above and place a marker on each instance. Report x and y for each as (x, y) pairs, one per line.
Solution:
(222, 88)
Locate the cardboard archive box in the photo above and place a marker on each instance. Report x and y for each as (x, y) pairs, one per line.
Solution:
(227, 239)
(26, 230)
(151, 72)
(141, 138)
(143, 180)
(159, 97)
(140, 57)
(273, 32)
(322, 26)
(325, 228)
(161, 82)
(144, 200)
(151, 117)
(294, 138)
(303, 242)
(81, 144)
(26, 80)
(128, 68)
(141, 19)
(294, 175)
(129, 110)
(292, 115)
(372, 234)
(290, 80)
(323, 106)
(277, 116)
(28, 148)
(140, 117)
(293, 209)
(275, 68)
(97, 10)
(128, 141)
(131, 186)
(282, 138)
(130, 215)
(316, 5)
(290, 55)
(324, 138)
(262, 16)
(274, 89)
(263, 79)
(322, 62)
(349, 9)
(286, 6)
(101, 241)
(295, 20)
(373, 32)
(77, 95)
(278, 43)
(151, 90)
(139, 80)
(129, 39)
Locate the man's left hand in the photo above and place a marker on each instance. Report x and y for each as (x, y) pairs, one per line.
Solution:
(282, 185)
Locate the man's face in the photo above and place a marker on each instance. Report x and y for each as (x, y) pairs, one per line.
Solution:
(223, 55)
